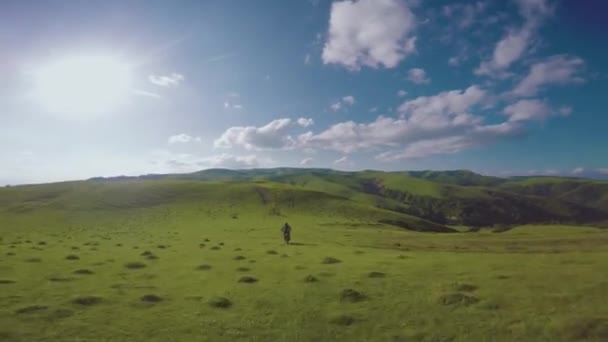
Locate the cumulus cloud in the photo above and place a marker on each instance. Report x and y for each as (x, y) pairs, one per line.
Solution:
(476, 136)
(558, 70)
(183, 138)
(342, 103)
(274, 135)
(373, 33)
(171, 80)
(524, 110)
(426, 125)
(305, 122)
(306, 162)
(401, 93)
(454, 101)
(418, 76)
(512, 46)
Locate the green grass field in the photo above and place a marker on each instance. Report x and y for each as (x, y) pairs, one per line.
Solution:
(197, 261)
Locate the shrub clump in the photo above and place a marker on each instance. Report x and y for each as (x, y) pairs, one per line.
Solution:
(342, 320)
(353, 296)
(220, 302)
(151, 298)
(463, 287)
(248, 280)
(376, 275)
(84, 271)
(457, 299)
(311, 279)
(135, 265)
(87, 300)
(331, 260)
(72, 257)
(203, 267)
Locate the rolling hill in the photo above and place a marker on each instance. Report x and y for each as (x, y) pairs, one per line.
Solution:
(421, 201)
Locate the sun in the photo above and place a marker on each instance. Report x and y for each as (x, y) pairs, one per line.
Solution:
(83, 86)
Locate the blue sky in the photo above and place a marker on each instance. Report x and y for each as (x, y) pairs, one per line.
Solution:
(498, 87)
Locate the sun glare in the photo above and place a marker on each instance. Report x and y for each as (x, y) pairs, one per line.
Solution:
(82, 86)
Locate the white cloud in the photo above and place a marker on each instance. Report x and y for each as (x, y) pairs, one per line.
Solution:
(305, 122)
(348, 100)
(274, 135)
(167, 161)
(343, 162)
(401, 93)
(516, 41)
(464, 15)
(565, 111)
(306, 162)
(454, 61)
(603, 171)
(559, 69)
(307, 59)
(183, 138)
(230, 105)
(533, 10)
(336, 106)
(418, 76)
(508, 50)
(373, 33)
(454, 101)
(344, 102)
(475, 136)
(171, 80)
(427, 125)
(524, 110)
(578, 170)
(146, 93)
(233, 162)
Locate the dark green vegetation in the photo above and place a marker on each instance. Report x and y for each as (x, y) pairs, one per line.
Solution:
(200, 257)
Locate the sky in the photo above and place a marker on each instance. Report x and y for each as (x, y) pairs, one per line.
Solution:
(108, 88)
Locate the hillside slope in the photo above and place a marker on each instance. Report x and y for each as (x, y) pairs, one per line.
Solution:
(425, 200)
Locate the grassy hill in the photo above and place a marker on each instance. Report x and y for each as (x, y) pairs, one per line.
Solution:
(444, 197)
(199, 257)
